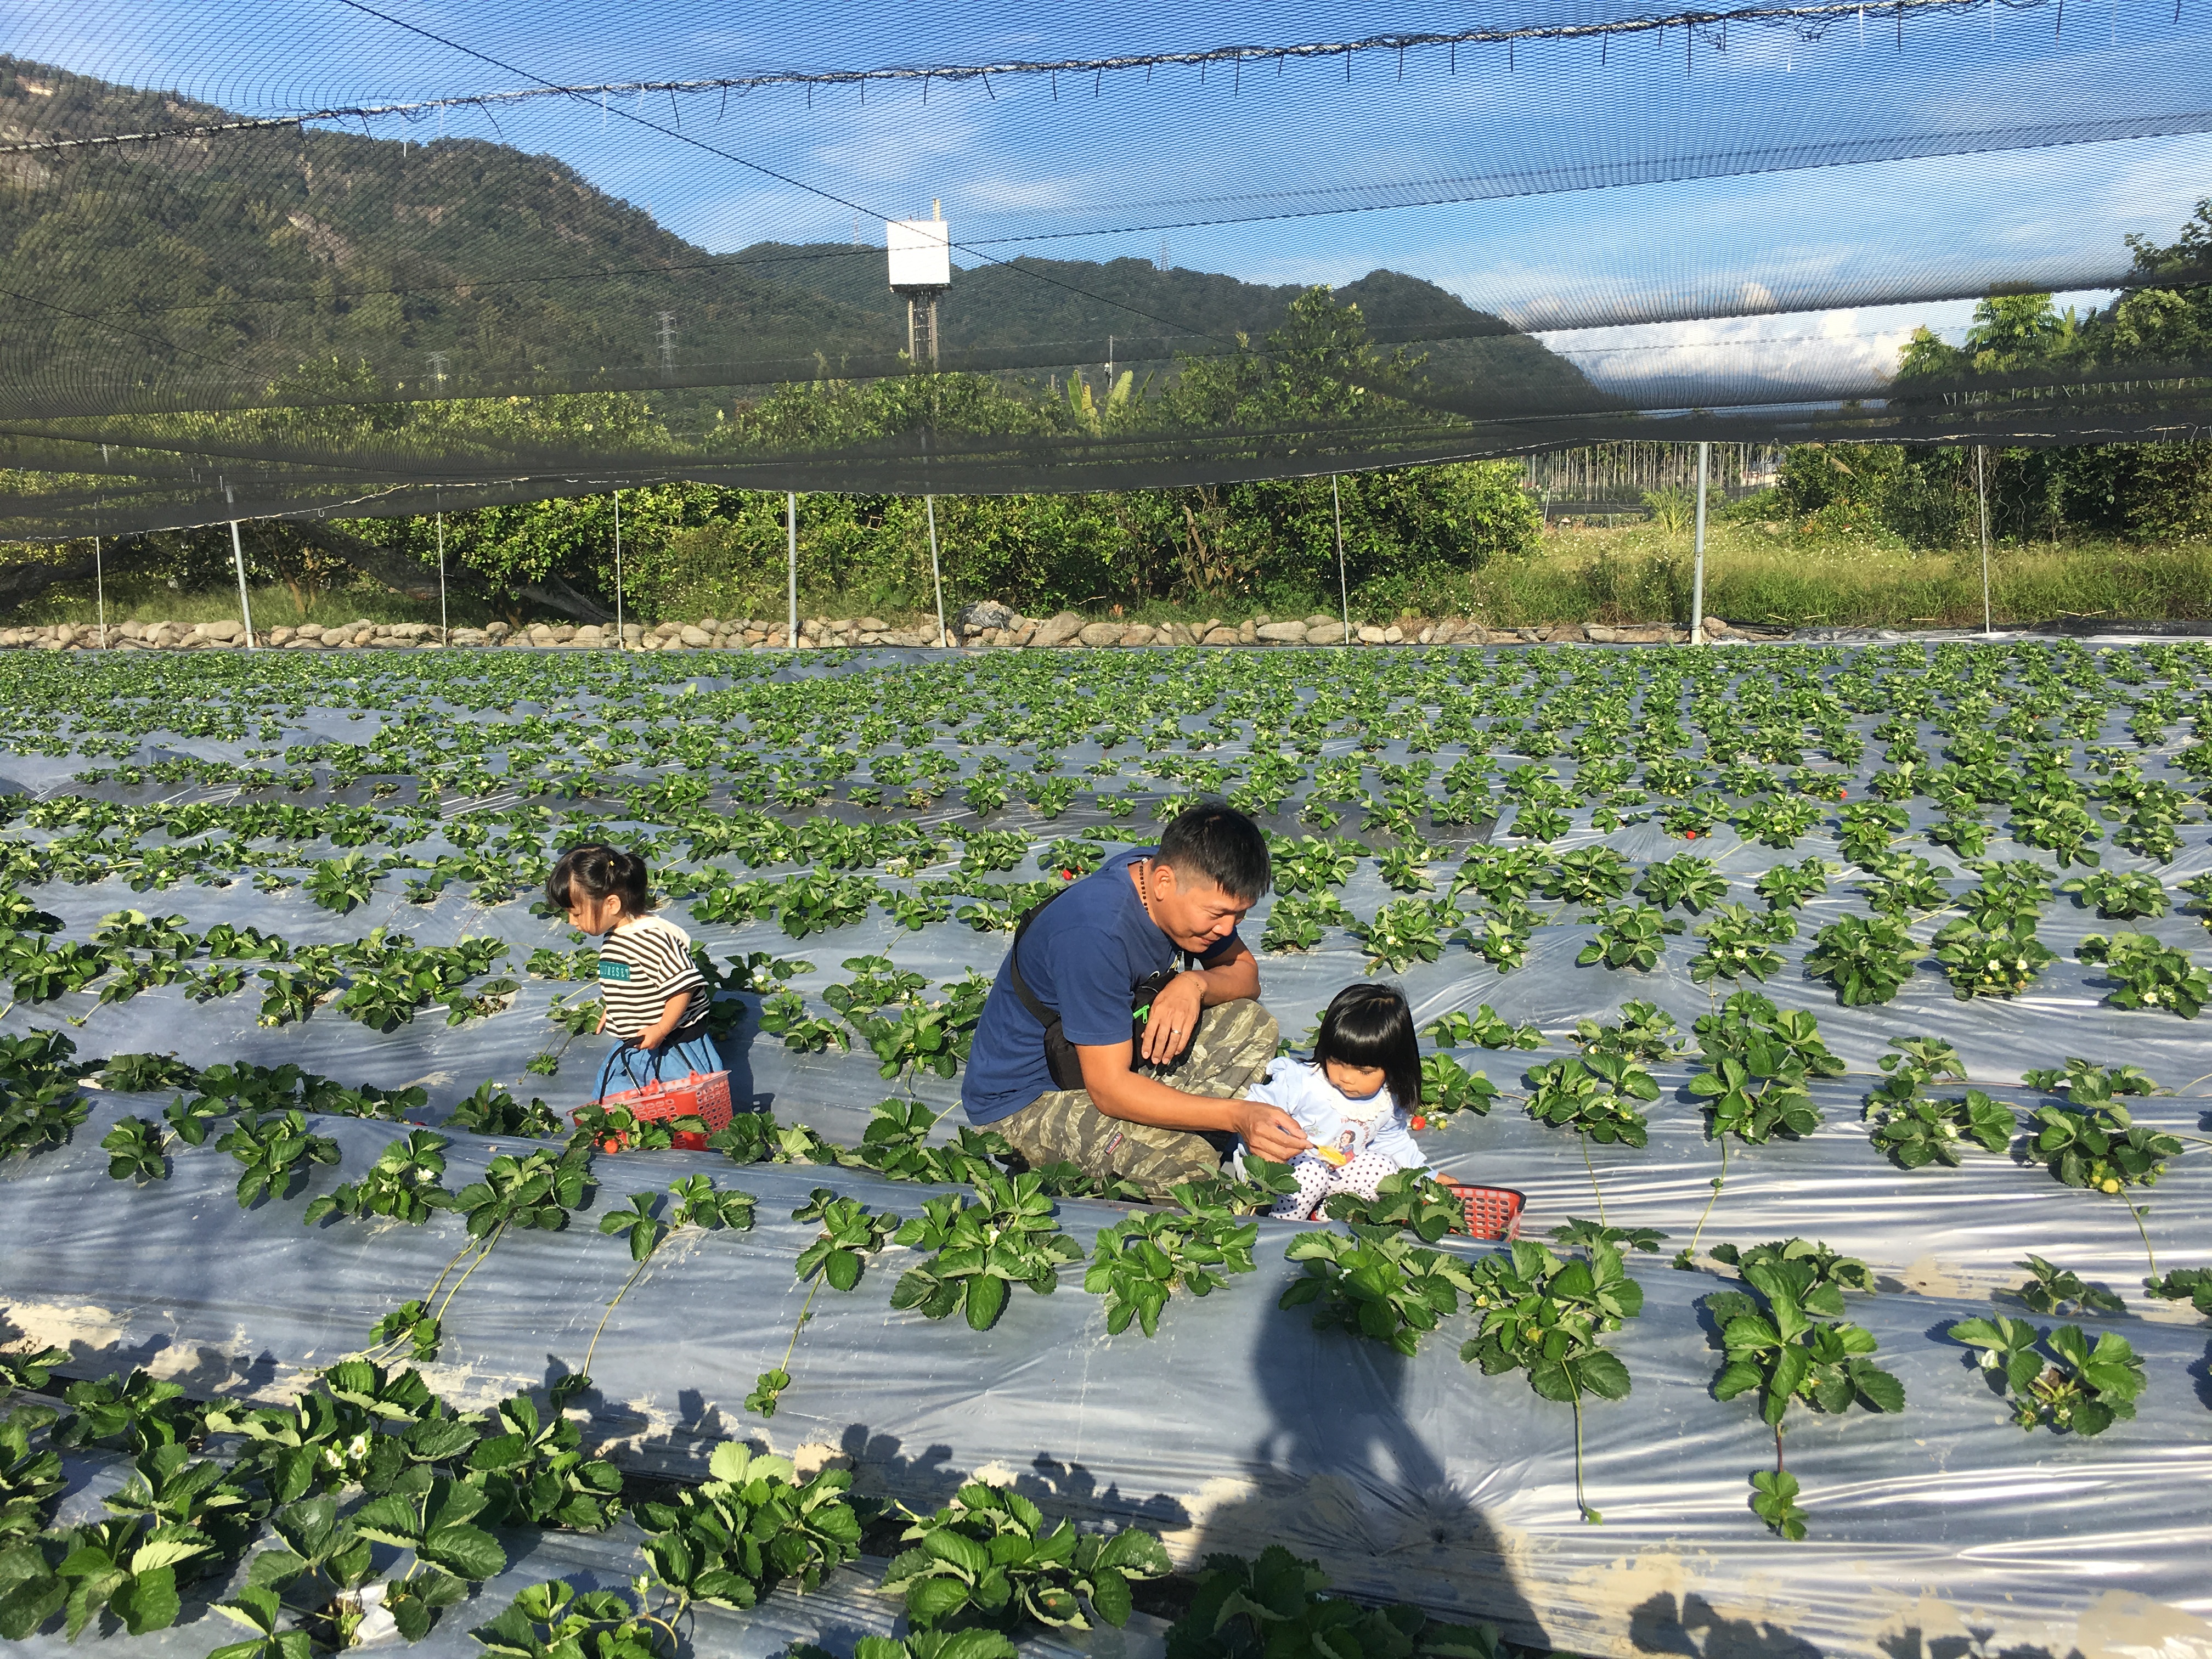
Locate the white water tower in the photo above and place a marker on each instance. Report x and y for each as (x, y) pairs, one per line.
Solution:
(921, 252)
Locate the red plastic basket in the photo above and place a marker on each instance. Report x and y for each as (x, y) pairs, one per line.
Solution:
(1492, 1212)
(704, 1095)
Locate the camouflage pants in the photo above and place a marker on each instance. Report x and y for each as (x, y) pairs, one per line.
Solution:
(1229, 1053)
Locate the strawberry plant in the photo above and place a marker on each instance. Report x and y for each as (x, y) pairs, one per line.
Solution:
(749, 1527)
(1590, 875)
(135, 1151)
(1006, 1237)
(145, 1075)
(1246, 1609)
(30, 1482)
(1628, 936)
(1739, 942)
(1409, 1200)
(2149, 973)
(1865, 828)
(988, 1559)
(1300, 924)
(784, 1015)
(1646, 1031)
(135, 1414)
(1777, 1350)
(2118, 895)
(1898, 886)
(1405, 868)
(1374, 1283)
(1486, 1026)
(1138, 1263)
(1915, 1130)
(1981, 964)
(1501, 875)
(1543, 1314)
(851, 1233)
(1684, 882)
(1448, 1087)
(1501, 936)
(2097, 1144)
(2061, 827)
(492, 1111)
(2055, 1377)
(2190, 1284)
(1407, 931)
(2057, 1291)
(403, 1184)
(1777, 821)
(553, 1620)
(1787, 886)
(1866, 961)
(342, 884)
(1591, 1095)
(273, 1152)
(294, 988)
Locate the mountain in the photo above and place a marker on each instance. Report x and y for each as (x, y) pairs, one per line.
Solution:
(267, 265)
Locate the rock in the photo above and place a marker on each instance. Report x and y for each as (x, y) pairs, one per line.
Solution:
(1601, 634)
(1321, 630)
(696, 637)
(976, 617)
(1219, 636)
(1716, 627)
(1367, 634)
(1289, 633)
(1100, 633)
(1058, 630)
(1248, 632)
(225, 630)
(878, 625)
(1139, 634)
(1570, 634)
(496, 631)
(1394, 635)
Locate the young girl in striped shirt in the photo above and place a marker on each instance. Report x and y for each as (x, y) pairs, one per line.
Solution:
(651, 995)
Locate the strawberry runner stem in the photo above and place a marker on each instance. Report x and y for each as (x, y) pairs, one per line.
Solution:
(1719, 1181)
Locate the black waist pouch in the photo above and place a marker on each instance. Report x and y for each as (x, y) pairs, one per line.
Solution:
(1060, 1055)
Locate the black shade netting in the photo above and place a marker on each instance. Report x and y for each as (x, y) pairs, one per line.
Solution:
(352, 256)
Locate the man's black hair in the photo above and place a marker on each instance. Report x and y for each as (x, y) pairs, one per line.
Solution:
(1371, 1025)
(1221, 844)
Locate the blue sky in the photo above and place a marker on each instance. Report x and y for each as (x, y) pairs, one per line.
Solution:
(1785, 202)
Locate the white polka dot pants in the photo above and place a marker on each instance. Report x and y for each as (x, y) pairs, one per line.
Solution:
(1318, 1179)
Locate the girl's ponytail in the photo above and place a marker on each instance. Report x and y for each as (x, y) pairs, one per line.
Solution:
(596, 871)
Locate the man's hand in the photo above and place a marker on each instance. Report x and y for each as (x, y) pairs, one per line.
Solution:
(1269, 1131)
(1174, 1019)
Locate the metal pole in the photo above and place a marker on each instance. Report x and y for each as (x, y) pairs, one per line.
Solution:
(445, 632)
(99, 590)
(791, 548)
(238, 559)
(621, 640)
(1698, 580)
(1982, 489)
(929, 507)
(1343, 592)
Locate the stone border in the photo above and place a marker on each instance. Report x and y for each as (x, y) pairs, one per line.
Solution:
(983, 625)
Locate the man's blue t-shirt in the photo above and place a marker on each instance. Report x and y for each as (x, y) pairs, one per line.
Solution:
(1083, 957)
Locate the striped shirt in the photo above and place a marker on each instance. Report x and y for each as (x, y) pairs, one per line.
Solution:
(643, 964)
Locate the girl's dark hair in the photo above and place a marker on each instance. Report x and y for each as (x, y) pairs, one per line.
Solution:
(1371, 1025)
(595, 870)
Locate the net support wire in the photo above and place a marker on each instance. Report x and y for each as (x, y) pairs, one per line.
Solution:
(1812, 21)
(790, 554)
(1982, 493)
(622, 639)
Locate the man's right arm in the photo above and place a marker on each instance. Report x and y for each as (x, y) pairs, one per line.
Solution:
(1270, 1132)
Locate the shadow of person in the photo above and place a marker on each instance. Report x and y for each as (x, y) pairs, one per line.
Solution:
(1658, 1626)
(1340, 1471)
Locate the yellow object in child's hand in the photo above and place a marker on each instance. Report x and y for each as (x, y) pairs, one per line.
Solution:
(1332, 1156)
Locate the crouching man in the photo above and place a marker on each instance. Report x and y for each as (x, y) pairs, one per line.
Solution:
(1124, 1026)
